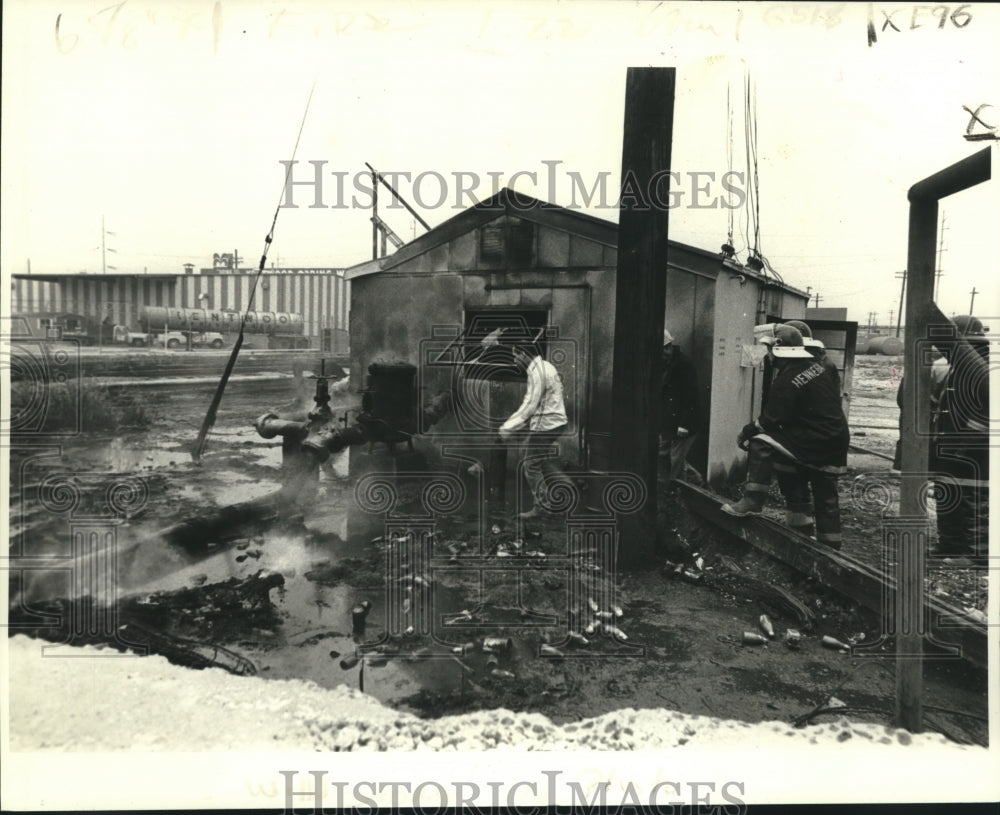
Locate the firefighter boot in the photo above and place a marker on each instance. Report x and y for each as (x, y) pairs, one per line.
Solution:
(752, 502)
(799, 519)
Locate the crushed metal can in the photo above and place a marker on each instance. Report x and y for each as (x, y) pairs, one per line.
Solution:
(618, 611)
(692, 576)
(349, 662)
(547, 650)
(495, 529)
(592, 629)
(465, 648)
(766, 626)
(499, 673)
(492, 661)
(793, 639)
(753, 638)
(497, 644)
(615, 632)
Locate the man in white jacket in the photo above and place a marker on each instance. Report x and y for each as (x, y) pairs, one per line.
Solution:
(544, 412)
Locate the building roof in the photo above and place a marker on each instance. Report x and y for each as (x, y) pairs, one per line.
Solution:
(59, 277)
(520, 205)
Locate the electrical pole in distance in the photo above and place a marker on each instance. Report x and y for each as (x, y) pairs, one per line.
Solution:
(902, 301)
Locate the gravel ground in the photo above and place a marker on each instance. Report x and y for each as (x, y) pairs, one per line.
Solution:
(147, 704)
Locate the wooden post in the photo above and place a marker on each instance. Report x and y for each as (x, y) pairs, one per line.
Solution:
(640, 294)
(910, 600)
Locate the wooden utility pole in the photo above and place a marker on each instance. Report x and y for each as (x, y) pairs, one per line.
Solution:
(902, 301)
(972, 302)
(374, 215)
(640, 293)
(940, 252)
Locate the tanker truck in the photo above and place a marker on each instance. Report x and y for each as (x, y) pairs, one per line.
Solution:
(282, 329)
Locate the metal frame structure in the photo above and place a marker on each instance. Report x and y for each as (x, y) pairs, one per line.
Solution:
(910, 606)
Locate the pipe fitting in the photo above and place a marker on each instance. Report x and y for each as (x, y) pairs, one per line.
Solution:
(271, 424)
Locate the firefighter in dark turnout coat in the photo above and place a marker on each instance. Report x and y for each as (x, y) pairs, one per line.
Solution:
(803, 424)
(959, 456)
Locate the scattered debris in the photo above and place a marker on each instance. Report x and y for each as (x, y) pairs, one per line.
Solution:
(190, 653)
(753, 638)
(497, 644)
(766, 626)
(793, 639)
(835, 644)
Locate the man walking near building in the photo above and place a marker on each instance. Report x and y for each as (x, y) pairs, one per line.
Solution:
(543, 411)
(680, 417)
(803, 424)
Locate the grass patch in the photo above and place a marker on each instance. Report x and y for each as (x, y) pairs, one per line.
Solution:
(75, 406)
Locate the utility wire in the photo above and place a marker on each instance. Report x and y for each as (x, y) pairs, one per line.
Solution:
(213, 408)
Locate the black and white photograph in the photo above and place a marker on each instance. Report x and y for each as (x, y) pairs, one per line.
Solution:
(529, 404)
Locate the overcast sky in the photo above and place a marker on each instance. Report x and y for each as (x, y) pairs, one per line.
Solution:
(170, 120)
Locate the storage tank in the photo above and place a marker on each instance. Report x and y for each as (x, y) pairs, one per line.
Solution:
(886, 346)
(200, 319)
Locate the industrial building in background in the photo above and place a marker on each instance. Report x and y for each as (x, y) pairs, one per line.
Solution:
(74, 306)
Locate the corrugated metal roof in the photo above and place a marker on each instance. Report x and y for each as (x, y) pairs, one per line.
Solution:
(510, 202)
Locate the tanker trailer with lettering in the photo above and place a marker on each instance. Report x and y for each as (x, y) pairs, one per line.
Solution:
(282, 329)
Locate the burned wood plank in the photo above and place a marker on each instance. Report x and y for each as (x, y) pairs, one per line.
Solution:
(837, 571)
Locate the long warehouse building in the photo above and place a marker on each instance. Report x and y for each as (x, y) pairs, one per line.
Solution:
(321, 296)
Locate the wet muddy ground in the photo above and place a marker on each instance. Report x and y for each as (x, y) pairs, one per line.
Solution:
(276, 589)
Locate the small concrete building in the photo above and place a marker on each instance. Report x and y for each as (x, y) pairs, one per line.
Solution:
(515, 263)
